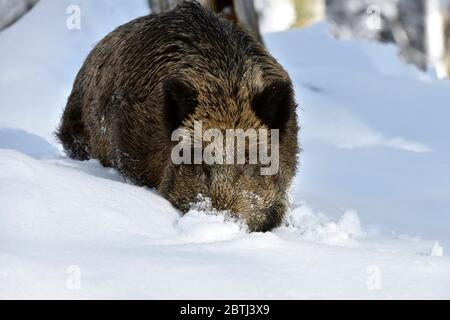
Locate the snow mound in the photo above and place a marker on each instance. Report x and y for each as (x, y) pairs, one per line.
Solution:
(320, 228)
(55, 201)
(203, 223)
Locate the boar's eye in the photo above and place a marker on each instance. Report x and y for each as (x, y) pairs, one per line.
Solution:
(275, 104)
(180, 99)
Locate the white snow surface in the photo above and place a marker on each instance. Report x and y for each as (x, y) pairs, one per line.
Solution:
(370, 211)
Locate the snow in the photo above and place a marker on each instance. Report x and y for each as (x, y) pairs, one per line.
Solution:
(370, 209)
(318, 227)
(30, 144)
(374, 132)
(203, 223)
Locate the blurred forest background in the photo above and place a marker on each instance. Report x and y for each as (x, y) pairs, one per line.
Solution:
(419, 28)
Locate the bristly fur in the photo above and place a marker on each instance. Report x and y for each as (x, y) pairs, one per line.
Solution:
(160, 72)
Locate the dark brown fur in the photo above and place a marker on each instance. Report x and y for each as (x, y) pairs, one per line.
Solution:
(160, 72)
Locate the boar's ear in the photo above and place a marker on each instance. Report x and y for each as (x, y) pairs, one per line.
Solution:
(180, 100)
(275, 104)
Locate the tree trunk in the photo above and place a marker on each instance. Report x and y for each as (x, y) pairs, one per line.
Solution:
(158, 6)
(247, 17)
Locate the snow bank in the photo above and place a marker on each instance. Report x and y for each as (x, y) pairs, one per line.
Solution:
(55, 201)
(62, 219)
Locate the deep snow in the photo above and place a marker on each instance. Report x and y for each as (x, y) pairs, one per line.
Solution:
(370, 215)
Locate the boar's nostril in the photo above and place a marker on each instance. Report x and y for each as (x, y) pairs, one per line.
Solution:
(274, 217)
